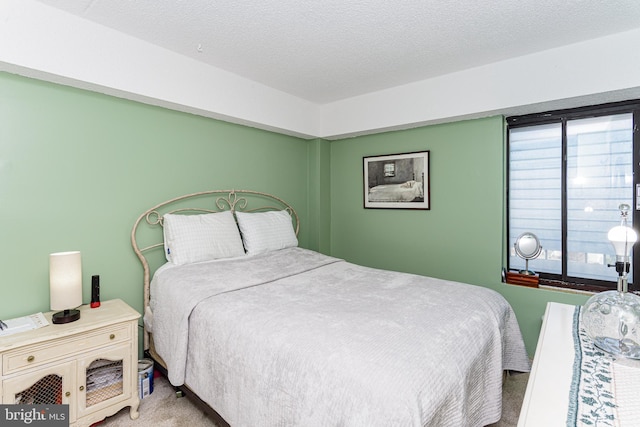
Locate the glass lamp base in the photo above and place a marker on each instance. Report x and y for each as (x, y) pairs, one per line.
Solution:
(612, 320)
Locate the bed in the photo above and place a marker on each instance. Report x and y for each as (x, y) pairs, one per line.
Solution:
(404, 192)
(271, 334)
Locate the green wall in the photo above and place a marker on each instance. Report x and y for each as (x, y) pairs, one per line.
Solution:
(319, 191)
(461, 237)
(77, 168)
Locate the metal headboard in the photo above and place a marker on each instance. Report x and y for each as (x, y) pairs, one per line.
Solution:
(196, 203)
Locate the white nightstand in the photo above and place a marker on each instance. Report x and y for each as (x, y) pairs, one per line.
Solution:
(90, 364)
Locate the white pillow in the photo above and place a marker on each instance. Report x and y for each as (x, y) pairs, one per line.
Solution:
(195, 238)
(266, 231)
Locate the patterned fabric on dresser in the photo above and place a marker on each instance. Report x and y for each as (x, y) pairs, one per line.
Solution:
(603, 389)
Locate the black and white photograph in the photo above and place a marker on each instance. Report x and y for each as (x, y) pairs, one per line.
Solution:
(397, 181)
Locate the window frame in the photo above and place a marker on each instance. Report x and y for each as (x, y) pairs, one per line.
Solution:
(562, 117)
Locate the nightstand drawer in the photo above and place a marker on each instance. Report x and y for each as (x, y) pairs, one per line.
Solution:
(36, 355)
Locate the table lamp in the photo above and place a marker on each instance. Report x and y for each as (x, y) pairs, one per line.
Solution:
(65, 285)
(612, 318)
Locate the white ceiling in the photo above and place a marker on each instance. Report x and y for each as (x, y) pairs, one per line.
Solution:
(330, 50)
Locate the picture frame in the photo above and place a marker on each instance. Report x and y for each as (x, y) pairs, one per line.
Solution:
(397, 181)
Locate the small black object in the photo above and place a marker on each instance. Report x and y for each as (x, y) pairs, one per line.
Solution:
(95, 291)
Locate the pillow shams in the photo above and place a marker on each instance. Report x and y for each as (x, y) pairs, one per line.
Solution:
(266, 231)
(195, 238)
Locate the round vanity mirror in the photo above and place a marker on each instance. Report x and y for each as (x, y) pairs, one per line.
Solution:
(527, 247)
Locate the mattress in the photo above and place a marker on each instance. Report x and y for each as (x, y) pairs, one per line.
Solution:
(296, 338)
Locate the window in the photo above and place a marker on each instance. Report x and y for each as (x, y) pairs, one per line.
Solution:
(568, 171)
(389, 169)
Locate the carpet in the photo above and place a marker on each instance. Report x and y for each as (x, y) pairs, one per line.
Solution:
(163, 409)
(512, 396)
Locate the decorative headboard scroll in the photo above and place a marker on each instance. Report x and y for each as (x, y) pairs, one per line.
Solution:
(148, 226)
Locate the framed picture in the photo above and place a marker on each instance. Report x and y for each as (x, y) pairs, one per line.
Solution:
(397, 181)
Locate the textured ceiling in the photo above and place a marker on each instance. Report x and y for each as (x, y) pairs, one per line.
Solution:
(327, 50)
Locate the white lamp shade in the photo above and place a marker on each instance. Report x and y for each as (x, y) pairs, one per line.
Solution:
(65, 280)
(622, 238)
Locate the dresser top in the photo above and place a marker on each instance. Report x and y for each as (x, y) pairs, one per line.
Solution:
(547, 395)
(574, 383)
(109, 313)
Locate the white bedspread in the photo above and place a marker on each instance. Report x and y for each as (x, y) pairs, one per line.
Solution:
(301, 339)
(405, 192)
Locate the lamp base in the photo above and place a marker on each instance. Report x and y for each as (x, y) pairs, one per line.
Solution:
(66, 316)
(612, 320)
